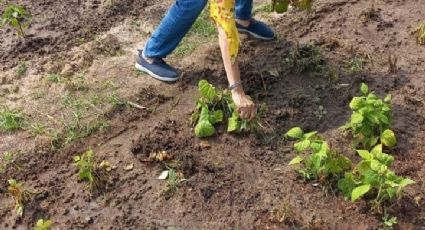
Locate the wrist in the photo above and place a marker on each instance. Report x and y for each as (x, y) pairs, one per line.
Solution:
(238, 91)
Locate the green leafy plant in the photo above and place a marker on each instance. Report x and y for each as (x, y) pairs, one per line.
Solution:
(373, 176)
(89, 170)
(20, 195)
(370, 120)
(316, 158)
(10, 119)
(43, 224)
(213, 107)
(16, 17)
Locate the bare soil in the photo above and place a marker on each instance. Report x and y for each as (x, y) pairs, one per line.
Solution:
(237, 181)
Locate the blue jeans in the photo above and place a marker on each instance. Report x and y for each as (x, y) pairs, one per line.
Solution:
(178, 21)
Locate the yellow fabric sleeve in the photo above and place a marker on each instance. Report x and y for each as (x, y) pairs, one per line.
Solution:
(222, 12)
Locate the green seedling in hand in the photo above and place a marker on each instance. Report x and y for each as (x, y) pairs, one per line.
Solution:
(372, 175)
(316, 159)
(213, 107)
(20, 195)
(370, 120)
(16, 17)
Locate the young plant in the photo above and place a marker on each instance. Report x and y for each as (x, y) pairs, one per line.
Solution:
(10, 119)
(316, 158)
(372, 176)
(43, 224)
(16, 17)
(89, 170)
(370, 120)
(213, 107)
(8, 160)
(20, 195)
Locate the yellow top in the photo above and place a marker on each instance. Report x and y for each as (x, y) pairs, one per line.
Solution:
(222, 12)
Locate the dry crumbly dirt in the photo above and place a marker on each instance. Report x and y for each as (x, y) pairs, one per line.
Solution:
(240, 181)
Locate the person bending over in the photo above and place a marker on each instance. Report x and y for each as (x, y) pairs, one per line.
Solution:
(230, 17)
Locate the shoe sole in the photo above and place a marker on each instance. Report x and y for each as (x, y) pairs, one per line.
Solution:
(255, 35)
(143, 69)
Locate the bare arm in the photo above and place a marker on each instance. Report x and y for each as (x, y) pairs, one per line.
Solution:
(246, 107)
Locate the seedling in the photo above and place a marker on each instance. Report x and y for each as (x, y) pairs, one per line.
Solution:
(370, 120)
(10, 119)
(16, 17)
(420, 33)
(43, 224)
(373, 176)
(213, 107)
(8, 160)
(389, 222)
(317, 161)
(89, 170)
(20, 195)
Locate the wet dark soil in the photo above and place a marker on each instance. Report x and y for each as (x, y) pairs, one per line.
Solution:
(242, 181)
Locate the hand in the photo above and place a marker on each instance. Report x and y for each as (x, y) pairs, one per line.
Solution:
(245, 106)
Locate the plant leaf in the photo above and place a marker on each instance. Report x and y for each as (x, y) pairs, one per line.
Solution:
(207, 91)
(388, 138)
(296, 160)
(302, 145)
(204, 128)
(359, 191)
(233, 123)
(296, 133)
(364, 88)
(406, 181)
(356, 118)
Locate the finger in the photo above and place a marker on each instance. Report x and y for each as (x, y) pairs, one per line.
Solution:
(253, 113)
(244, 114)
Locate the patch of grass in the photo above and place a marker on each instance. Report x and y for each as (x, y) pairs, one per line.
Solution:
(420, 33)
(21, 70)
(305, 58)
(203, 26)
(11, 119)
(37, 129)
(186, 47)
(202, 31)
(354, 65)
(263, 8)
(54, 78)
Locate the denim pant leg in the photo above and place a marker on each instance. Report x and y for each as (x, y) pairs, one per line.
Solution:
(243, 9)
(173, 27)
